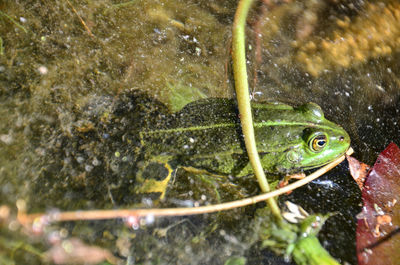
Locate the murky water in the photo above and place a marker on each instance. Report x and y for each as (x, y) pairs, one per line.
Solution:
(67, 66)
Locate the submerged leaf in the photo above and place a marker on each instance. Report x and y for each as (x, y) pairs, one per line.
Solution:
(236, 261)
(76, 252)
(378, 239)
(181, 95)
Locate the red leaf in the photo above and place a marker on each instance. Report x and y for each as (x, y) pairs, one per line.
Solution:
(378, 237)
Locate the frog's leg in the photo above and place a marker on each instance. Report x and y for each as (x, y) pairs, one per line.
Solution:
(152, 179)
(201, 171)
(286, 179)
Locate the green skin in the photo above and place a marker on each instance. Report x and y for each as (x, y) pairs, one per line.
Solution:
(206, 134)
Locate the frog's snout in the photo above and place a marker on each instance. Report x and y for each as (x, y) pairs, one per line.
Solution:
(344, 140)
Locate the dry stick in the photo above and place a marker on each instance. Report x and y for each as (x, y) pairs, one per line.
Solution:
(80, 18)
(26, 219)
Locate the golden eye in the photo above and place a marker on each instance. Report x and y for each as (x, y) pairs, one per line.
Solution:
(318, 142)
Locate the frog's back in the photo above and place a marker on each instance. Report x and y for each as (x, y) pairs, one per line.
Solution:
(211, 127)
(204, 127)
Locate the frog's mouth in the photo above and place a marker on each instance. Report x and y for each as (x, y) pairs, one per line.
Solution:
(313, 166)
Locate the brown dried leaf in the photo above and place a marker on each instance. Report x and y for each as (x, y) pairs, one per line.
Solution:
(358, 171)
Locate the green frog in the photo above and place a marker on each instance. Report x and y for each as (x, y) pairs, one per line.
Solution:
(206, 135)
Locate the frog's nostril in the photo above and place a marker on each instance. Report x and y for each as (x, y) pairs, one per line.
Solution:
(341, 138)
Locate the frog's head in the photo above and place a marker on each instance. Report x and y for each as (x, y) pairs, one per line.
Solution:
(322, 144)
(321, 141)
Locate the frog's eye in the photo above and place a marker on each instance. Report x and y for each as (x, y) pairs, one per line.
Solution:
(318, 142)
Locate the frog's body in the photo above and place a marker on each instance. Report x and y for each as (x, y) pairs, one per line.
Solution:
(206, 135)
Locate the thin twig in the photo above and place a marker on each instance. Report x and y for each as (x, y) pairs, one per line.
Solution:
(80, 18)
(26, 219)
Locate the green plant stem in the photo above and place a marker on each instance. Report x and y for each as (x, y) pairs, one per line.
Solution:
(243, 98)
(1, 47)
(14, 21)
